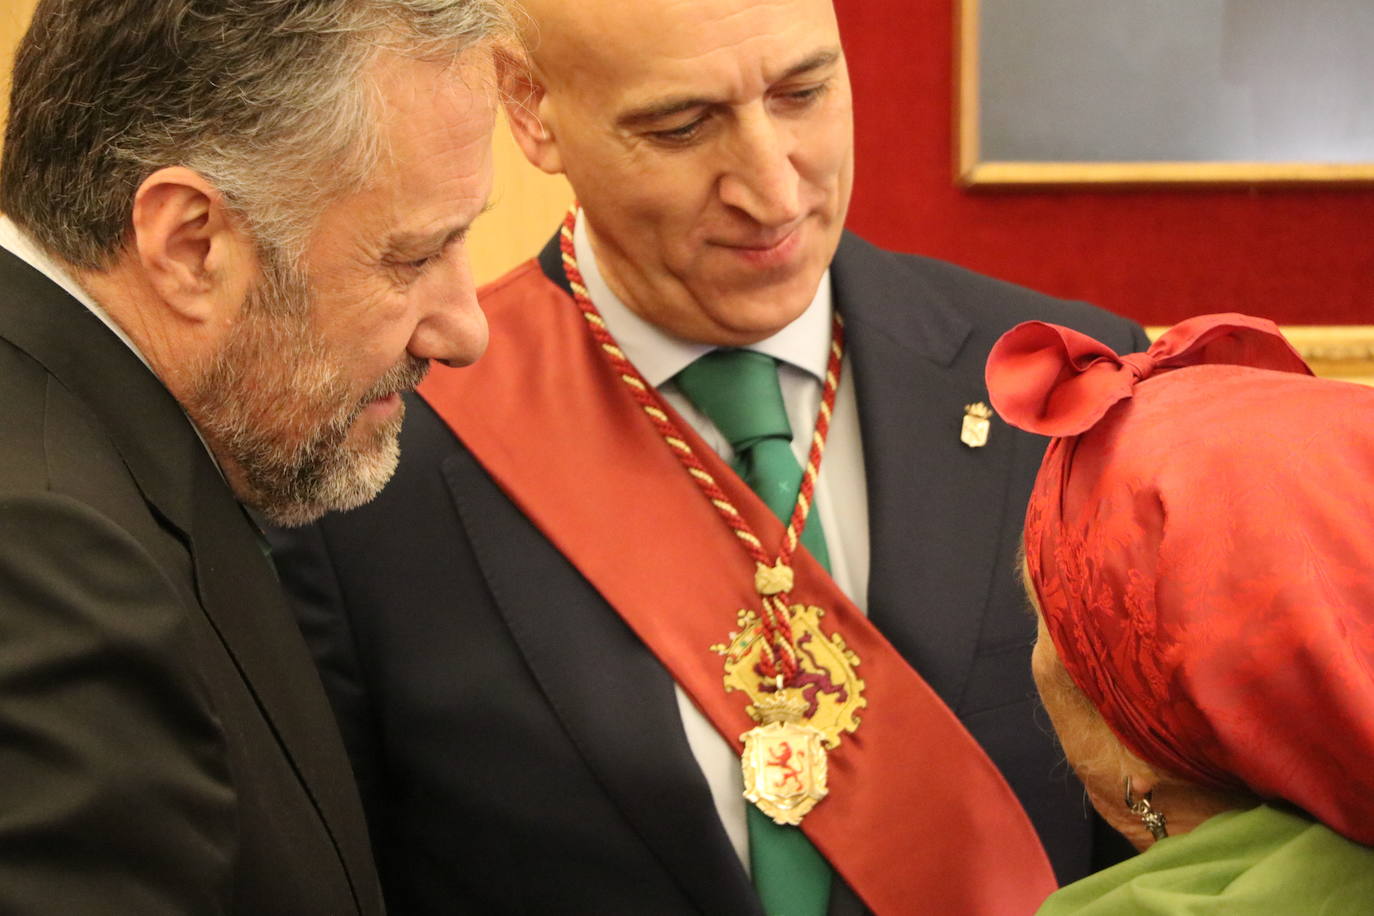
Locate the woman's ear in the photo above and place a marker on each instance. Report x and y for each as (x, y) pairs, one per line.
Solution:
(1139, 782)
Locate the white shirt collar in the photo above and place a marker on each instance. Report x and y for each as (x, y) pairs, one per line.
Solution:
(13, 239)
(805, 343)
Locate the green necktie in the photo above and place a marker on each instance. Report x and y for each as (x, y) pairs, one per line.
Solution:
(738, 390)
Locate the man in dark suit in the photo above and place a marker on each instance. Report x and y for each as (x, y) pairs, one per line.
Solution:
(544, 639)
(209, 299)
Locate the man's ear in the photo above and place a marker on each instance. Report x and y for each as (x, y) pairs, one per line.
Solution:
(525, 100)
(193, 250)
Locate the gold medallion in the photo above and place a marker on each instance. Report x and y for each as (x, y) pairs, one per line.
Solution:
(977, 424)
(784, 760)
(826, 679)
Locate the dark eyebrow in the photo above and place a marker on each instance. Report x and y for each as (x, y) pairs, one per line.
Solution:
(816, 61)
(665, 108)
(402, 243)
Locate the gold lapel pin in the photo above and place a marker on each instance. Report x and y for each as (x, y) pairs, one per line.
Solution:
(977, 422)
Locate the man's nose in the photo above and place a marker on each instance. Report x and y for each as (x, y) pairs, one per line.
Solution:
(761, 178)
(452, 328)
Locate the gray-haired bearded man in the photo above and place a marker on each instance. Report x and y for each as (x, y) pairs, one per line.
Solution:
(233, 235)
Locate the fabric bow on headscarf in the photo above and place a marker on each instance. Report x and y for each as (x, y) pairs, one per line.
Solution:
(1058, 382)
(1201, 541)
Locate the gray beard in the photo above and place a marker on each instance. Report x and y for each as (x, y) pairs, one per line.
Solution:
(276, 408)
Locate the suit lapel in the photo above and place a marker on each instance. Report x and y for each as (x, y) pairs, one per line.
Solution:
(935, 505)
(244, 603)
(614, 698)
(237, 588)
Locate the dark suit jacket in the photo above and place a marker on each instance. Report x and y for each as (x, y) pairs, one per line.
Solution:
(521, 751)
(165, 746)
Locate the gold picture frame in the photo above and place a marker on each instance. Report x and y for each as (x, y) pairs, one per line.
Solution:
(973, 170)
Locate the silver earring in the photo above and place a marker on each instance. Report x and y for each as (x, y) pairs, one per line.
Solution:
(1153, 820)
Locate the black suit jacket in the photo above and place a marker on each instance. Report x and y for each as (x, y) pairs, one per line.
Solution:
(165, 746)
(521, 751)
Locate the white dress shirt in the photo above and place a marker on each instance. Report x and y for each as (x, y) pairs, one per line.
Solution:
(803, 351)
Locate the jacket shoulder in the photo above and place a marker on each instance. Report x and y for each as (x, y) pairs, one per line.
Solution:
(50, 441)
(23, 458)
(987, 306)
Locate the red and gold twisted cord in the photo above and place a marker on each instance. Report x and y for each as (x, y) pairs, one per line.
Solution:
(779, 653)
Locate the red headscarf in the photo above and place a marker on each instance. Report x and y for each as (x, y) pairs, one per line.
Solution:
(1201, 540)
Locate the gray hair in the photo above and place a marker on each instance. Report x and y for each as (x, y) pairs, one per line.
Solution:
(266, 99)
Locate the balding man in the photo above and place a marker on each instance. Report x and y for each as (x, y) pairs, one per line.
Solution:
(547, 637)
(232, 237)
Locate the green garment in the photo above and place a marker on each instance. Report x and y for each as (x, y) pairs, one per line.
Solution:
(1264, 861)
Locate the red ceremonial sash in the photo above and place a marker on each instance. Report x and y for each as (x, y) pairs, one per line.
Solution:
(918, 817)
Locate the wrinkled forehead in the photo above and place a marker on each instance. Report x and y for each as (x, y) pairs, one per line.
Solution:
(650, 46)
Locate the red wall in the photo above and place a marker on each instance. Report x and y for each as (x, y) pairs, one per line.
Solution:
(1297, 256)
